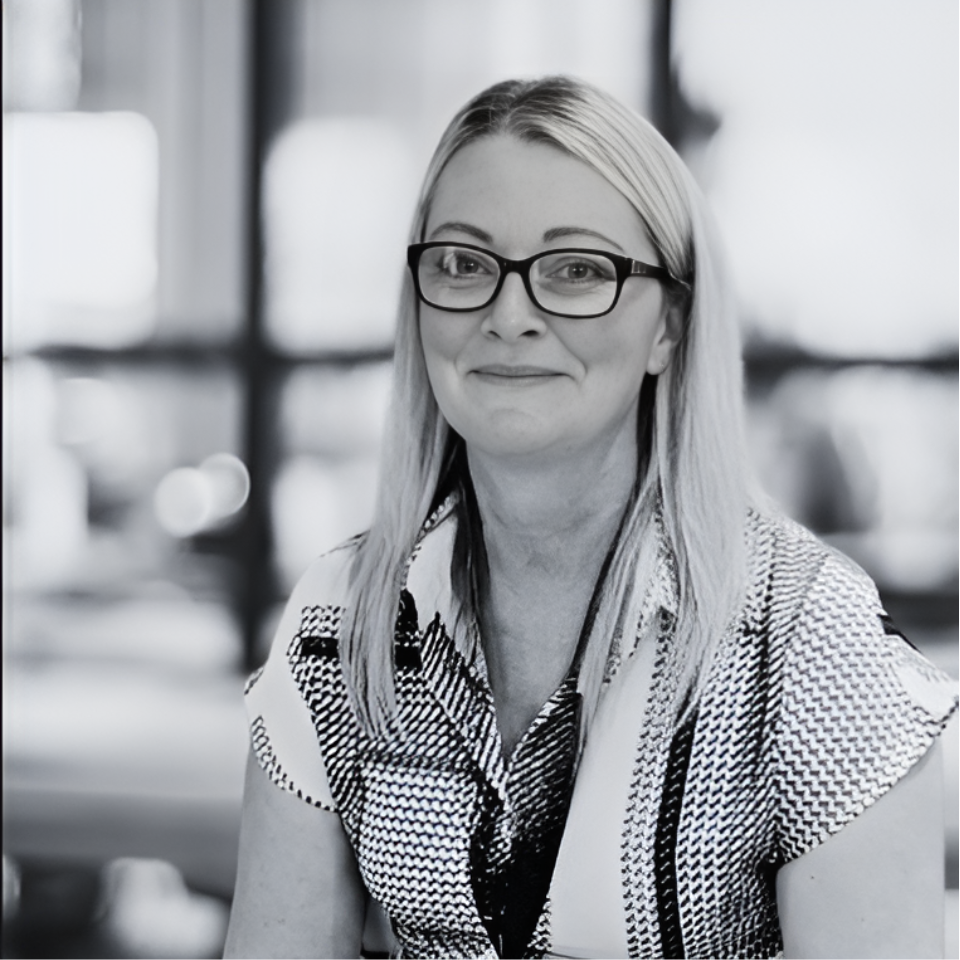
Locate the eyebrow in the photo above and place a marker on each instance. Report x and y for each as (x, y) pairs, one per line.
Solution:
(554, 233)
(559, 233)
(455, 226)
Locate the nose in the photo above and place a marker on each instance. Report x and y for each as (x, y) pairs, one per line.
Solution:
(513, 315)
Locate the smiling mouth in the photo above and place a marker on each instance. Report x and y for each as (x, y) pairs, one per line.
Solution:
(500, 371)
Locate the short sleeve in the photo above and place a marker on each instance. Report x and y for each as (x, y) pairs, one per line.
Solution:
(282, 730)
(859, 706)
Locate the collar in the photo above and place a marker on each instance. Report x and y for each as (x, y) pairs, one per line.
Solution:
(428, 581)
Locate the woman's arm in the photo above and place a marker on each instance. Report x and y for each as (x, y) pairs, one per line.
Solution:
(875, 889)
(298, 892)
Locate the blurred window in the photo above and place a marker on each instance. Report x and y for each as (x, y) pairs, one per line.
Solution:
(199, 362)
(833, 172)
(338, 201)
(124, 199)
(195, 428)
(331, 425)
(83, 269)
(832, 169)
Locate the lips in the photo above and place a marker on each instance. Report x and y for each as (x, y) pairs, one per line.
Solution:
(511, 371)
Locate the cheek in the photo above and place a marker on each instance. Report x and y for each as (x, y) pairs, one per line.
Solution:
(634, 344)
(617, 353)
(441, 339)
(616, 365)
(442, 343)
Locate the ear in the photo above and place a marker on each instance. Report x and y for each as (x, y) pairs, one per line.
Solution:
(667, 336)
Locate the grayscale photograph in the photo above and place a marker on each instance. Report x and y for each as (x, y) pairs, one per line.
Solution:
(480, 478)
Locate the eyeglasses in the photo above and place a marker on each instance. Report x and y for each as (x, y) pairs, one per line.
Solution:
(460, 277)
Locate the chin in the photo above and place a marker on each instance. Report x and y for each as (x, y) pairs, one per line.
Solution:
(515, 443)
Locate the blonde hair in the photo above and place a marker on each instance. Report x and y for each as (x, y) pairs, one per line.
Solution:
(692, 472)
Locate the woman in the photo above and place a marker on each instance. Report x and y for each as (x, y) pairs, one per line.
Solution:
(575, 692)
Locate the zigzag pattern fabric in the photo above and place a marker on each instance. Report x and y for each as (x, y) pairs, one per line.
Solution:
(814, 707)
(807, 719)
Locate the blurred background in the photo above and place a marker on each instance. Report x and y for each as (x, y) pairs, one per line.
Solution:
(196, 368)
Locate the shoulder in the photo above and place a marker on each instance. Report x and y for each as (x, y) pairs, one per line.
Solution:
(315, 607)
(282, 696)
(326, 582)
(780, 547)
(321, 594)
(855, 704)
(825, 621)
(792, 575)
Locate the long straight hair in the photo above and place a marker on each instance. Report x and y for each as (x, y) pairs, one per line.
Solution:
(691, 480)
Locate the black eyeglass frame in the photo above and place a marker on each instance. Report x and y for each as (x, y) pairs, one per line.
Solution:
(625, 267)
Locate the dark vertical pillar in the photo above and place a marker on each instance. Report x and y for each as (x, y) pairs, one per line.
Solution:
(662, 100)
(269, 91)
(683, 124)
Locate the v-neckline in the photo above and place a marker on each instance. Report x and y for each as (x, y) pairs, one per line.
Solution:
(451, 646)
(470, 703)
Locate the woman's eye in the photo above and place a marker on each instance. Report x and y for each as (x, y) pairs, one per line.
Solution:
(578, 271)
(461, 265)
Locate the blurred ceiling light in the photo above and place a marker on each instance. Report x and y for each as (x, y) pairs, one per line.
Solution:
(192, 500)
(41, 54)
(80, 228)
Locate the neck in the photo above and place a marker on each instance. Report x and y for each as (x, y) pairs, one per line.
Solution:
(552, 517)
(546, 531)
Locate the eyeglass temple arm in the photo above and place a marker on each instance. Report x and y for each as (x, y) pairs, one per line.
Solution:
(640, 269)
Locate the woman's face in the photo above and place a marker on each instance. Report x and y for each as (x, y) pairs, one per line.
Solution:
(509, 378)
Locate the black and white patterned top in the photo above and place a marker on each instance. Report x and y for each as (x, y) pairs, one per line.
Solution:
(815, 706)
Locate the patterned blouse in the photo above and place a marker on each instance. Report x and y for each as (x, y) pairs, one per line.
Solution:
(814, 707)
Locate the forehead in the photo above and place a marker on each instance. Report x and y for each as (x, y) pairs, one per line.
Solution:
(516, 192)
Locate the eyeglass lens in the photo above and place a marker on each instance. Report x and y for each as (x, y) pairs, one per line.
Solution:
(572, 283)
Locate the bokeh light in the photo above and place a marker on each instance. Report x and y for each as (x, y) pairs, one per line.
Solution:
(192, 500)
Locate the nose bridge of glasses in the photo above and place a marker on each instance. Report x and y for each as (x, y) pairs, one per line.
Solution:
(524, 270)
(514, 302)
